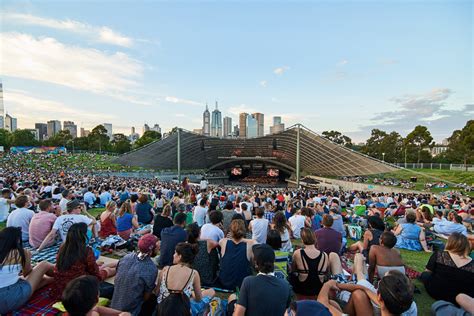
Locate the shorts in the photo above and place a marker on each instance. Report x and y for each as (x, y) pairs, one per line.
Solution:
(14, 296)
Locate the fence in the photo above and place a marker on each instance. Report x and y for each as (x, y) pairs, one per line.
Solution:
(438, 166)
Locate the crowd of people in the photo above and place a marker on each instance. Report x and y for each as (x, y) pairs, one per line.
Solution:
(237, 250)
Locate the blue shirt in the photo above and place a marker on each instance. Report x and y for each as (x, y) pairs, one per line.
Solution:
(124, 222)
(105, 197)
(144, 213)
(170, 237)
(89, 198)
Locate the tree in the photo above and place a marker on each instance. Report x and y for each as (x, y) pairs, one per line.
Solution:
(5, 138)
(81, 143)
(147, 137)
(98, 139)
(60, 139)
(461, 145)
(416, 142)
(338, 138)
(121, 143)
(383, 146)
(22, 137)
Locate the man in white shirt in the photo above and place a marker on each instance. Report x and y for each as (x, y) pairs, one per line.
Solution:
(449, 227)
(212, 230)
(203, 184)
(5, 201)
(200, 212)
(297, 223)
(67, 196)
(21, 217)
(259, 227)
(64, 222)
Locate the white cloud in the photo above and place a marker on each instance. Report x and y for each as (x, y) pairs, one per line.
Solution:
(173, 99)
(242, 108)
(263, 83)
(101, 34)
(31, 109)
(280, 70)
(46, 59)
(343, 62)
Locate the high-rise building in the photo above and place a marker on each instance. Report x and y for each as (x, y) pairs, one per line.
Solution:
(145, 128)
(10, 123)
(227, 127)
(2, 109)
(108, 127)
(54, 127)
(252, 127)
(71, 127)
(206, 122)
(156, 128)
(42, 129)
(133, 130)
(236, 130)
(260, 123)
(216, 123)
(243, 125)
(278, 126)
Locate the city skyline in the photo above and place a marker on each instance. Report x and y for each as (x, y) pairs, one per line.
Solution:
(347, 66)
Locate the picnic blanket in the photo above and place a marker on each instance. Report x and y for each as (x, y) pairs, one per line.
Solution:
(40, 304)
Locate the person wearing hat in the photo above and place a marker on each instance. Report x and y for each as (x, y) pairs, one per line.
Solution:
(262, 294)
(64, 222)
(136, 275)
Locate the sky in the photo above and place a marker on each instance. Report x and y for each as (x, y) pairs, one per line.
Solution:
(349, 66)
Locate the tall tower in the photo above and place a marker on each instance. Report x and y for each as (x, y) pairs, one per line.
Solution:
(227, 127)
(260, 123)
(2, 109)
(243, 125)
(206, 122)
(216, 122)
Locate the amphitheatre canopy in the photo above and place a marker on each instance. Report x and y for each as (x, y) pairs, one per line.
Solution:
(317, 155)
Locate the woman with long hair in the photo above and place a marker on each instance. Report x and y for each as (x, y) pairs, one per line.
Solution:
(144, 210)
(281, 225)
(162, 220)
(76, 258)
(108, 222)
(15, 290)
(126, 221)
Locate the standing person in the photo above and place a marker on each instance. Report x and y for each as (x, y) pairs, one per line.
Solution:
(281, 225)
(144, 210)
(74, 259)
(64, 222)
(263, 294)
(5, 201)
(170, 237)
(200, 213)
(213, 230)
(42, 223)
(236, 254)
(136, 275)
(108, 223)
(21, 216)
(162, 221)
(126, 221)
(259, 226)
(15, 290)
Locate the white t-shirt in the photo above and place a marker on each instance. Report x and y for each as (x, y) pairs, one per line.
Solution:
(297, 222)
(4, 208)
(259, 230)
(63, 204)
(199, 215)
(209, 231)
(203, 184)
(64, 222)
(21, 217)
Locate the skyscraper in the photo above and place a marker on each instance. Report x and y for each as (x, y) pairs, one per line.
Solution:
(71, 127)
(54, 127)
(243, 125)
(227, 127)
(216, 123)
(146, 128)
(278, 126)
(2, 109)
(42, 129)
(260, 123)
(10, 123)
(156, 128)
(206, 122)
(133, 130)
(108, 127)
(252, 127)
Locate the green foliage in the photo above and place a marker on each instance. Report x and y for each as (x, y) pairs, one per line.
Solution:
(338, 138)
(22, 137)
(461, 145)
(121, 144)
(381, 143)
(98, 139)
(5, 140)
(416, 141)
(60, 139)
(147, 137)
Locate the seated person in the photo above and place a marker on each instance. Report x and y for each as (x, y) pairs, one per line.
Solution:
(384, 257)
(74, 259)
(170, 237)
(42, 223)
(297, 222)
(450, 272)
(410, 236)
(180, 279)
(162, 220)
(16, 290)
(213, 230)
(136, 276)
(281, 257)
(259, 226)
(307, 308)
(371, 236)
(144, 210)
(327, 239)
(127, 221)
(21, 216)
(81, 296)
(465, 302)
(263, 294)
(108, 223)
(448, 227)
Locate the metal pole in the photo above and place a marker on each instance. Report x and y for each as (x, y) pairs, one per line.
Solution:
(298, 156)
(179, 155)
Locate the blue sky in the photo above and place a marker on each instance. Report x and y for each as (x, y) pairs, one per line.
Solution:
(344, 65)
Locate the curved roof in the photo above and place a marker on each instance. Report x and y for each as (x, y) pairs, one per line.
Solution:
(317, 154)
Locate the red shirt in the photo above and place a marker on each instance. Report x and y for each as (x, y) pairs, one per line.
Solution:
(107, 228)
(86, 267)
